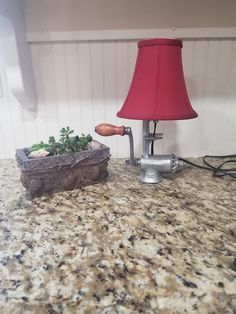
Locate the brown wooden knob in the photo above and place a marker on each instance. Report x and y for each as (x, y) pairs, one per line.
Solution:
(106, 129)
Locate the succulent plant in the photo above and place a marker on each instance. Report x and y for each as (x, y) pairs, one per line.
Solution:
(67, 143)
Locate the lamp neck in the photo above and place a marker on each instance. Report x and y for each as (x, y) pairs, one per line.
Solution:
(149, 137)
(146, 132)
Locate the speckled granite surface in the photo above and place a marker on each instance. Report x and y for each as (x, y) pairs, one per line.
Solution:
(119, 247)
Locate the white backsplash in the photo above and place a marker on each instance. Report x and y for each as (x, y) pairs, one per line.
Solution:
(82, 84)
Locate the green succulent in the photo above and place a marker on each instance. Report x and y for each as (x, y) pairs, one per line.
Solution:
(38, 146)
(67, 143)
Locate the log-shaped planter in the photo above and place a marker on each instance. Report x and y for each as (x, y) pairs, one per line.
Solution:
(45, 175)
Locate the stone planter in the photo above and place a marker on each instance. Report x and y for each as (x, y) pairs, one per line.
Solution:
(45, 175)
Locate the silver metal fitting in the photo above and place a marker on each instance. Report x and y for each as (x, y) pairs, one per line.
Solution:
(153, 166)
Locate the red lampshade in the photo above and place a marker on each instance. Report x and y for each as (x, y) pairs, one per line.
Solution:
(158, 90)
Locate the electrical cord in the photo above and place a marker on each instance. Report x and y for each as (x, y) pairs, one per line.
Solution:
(217, 171)
(153, 134)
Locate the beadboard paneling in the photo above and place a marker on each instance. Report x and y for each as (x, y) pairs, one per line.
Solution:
(82, 84)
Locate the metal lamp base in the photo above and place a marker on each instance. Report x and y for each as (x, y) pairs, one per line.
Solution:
(150, 175)
(152, 166)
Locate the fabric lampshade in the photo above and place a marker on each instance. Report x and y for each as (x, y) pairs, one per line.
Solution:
(158, 90)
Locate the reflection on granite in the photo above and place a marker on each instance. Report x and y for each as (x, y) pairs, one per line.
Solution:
(119, 247)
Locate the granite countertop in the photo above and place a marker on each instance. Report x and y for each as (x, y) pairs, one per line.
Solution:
(119, 247)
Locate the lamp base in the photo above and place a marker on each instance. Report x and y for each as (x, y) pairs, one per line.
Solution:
(150, 175)
(152, 167)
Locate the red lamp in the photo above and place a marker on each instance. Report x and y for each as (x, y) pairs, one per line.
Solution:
(157, 92)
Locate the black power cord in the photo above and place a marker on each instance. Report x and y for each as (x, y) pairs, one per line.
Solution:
(153, 134)
(217, 171)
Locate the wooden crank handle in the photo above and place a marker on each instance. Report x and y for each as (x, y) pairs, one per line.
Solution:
(106, 129)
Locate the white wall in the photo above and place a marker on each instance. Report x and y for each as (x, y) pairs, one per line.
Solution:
(73, 15)
(83, 83)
